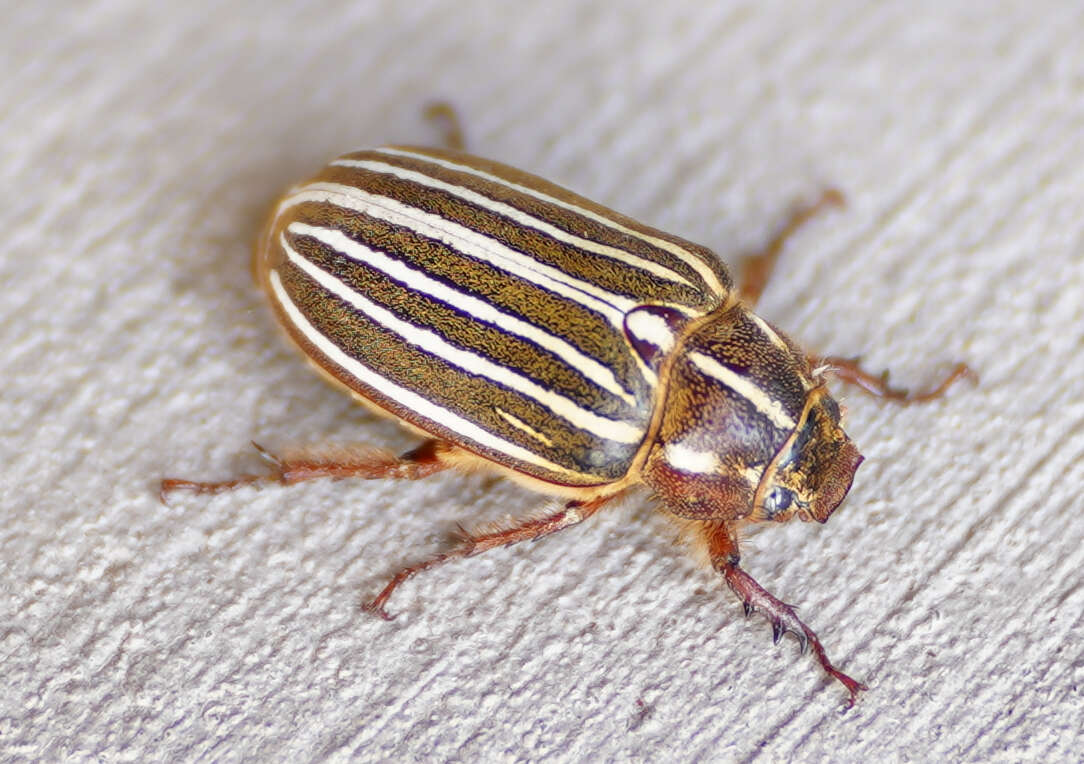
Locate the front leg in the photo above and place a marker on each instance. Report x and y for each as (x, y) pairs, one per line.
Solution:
(850, 371)
(723, 549)
(756, 272)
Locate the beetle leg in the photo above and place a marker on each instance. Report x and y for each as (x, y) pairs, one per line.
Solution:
(572, 513)
(725, 558)
(341, 462)
(756, 270)
(444, 114)
(848, 370)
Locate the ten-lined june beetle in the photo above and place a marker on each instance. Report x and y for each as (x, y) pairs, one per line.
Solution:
(523, 327)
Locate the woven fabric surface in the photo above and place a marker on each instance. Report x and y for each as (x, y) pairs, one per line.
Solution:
(142, 144)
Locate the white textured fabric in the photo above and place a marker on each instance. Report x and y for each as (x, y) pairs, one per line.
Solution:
(141, 145)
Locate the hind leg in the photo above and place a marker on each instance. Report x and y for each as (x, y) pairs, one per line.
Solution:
(364, 462)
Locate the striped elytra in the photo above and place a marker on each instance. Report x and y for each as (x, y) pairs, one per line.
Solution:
(522, 327)
(485, 306)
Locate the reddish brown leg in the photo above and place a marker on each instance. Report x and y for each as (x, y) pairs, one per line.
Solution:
(756, 270)
(725, 558)
(346, 461)
(848, 370)
(447, 117)
(529, 530)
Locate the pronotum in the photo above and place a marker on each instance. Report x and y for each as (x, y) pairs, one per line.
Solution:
(527, 329)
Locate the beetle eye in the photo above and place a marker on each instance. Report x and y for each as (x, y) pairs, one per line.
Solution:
(777, 500)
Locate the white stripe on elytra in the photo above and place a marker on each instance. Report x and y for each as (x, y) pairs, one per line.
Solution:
(521, 425)
(477, 309)
(471, 363)
(520, 217)
(651, 328)
(408, 398)
(470, 243)
(770, 408)
(689, 258)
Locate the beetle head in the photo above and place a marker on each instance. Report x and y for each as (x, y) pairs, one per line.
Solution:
(812, 471)
(748, 433)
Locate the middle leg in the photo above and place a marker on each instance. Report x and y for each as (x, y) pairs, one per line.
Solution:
(572, 513)
(756, 270)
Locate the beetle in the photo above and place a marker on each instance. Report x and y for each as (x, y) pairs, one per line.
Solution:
(523, 328)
